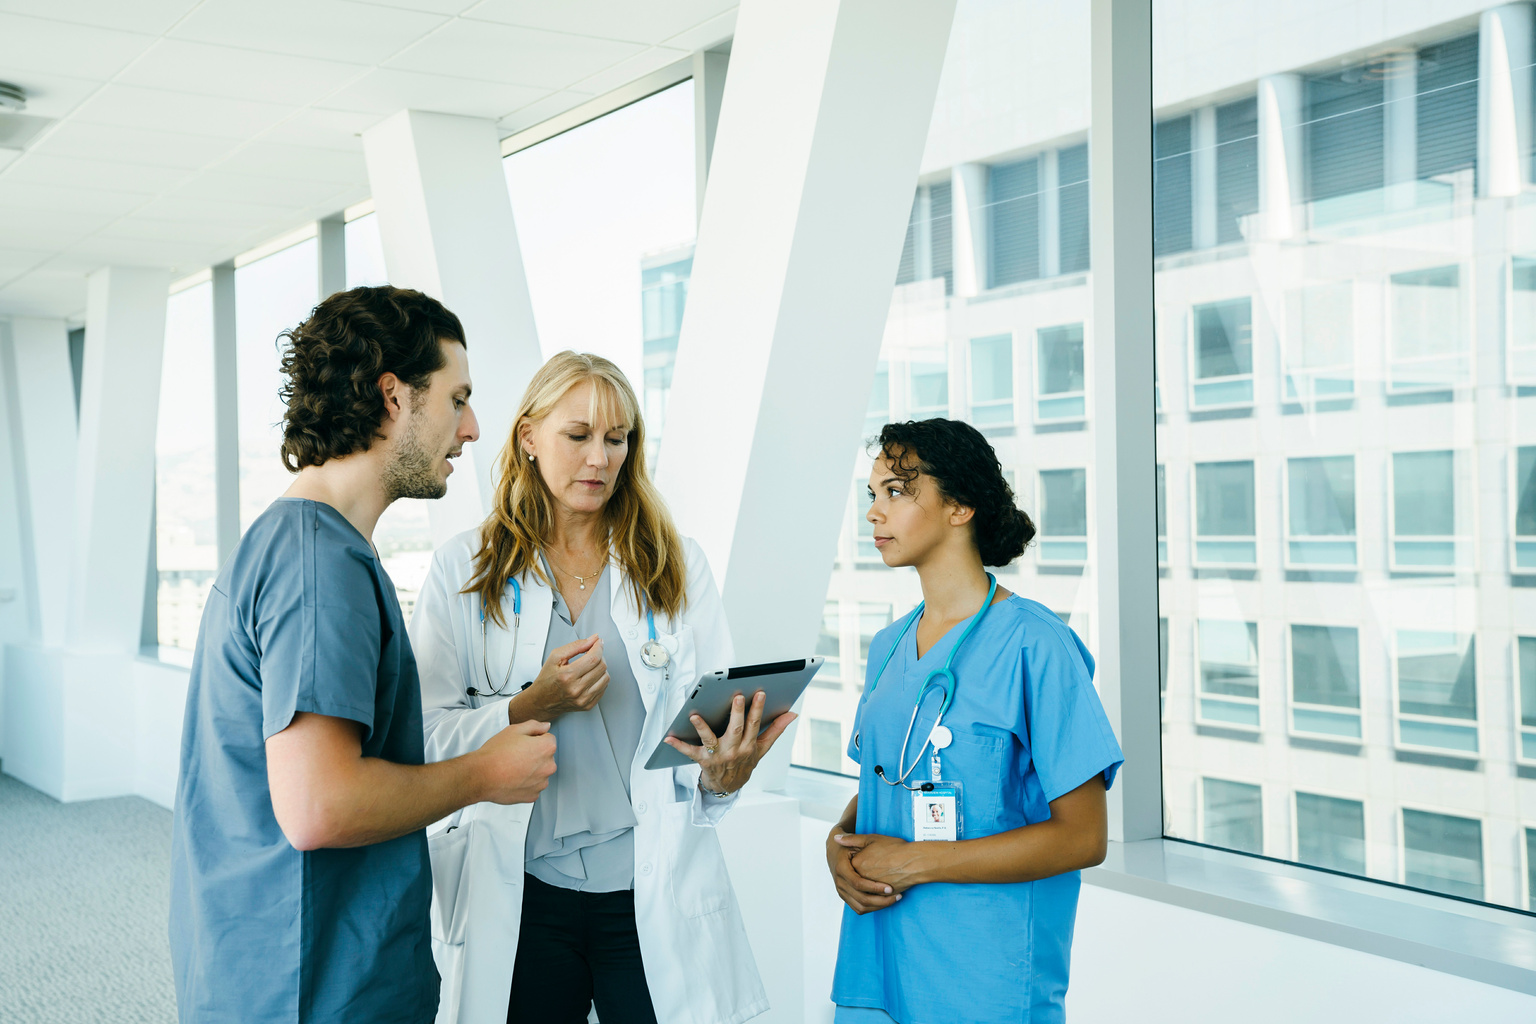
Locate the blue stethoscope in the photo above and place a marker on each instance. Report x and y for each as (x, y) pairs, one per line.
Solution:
(939, 736)
(651, 652)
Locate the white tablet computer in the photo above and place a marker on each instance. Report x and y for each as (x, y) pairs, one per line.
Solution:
(782, 681)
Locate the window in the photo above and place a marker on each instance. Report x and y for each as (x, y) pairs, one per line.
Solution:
(1237, 167)
(1162, 514)
(1232, 815)
(1320, 510)
(1072, 207)
(1345, 144)
(829, 645)
(1525, 695)
(664, 281)
(1063, 516)
(1229, 674)
(1524, 490)
(1059, 386)
(186, 504)
(928, 250)
(1162, 662)
(1429, 515)
(1224, 515)
(1430, 348)
(1222, 355)
(872, 619)
(1325, 682)
(1319, 343)
(1013, 206)
(1436, 679)
(1172, 190)
(1443, 853)
(929, 395)
(992, 380)
(1445, 117)
(364, 251)
(866, 555)
(1521, 359)
(879, 411)
(1530, 868)
(1330, 832)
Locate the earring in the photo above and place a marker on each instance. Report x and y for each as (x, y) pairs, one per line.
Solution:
(530, 456)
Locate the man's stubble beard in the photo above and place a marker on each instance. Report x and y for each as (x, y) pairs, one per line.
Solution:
(412, 471)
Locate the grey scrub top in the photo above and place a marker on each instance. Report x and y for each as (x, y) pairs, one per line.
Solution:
(581, 832)
(301, 618)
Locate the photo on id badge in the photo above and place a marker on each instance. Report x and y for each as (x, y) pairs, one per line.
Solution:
(936, 812)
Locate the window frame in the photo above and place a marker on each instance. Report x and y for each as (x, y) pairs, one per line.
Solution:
(1512, 376)
(1292, 704)
(1401, 849)
(1476, 724)
(1463, 548)
(1527, 893)
(1039, 394)
(1292, 395)
(1044, 538)
(1517, 702)
(915, 411)
(1255, 703)
(1194, 520)
(1011, 402)
(1363, 799)
(1465, 288)
(1200, 782)
(1519, 540)
(1192, 343)
(1353, 539)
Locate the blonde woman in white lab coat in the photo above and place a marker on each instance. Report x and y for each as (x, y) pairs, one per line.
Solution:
(577, 603)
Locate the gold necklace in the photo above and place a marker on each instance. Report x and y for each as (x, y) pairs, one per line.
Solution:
(581, 581)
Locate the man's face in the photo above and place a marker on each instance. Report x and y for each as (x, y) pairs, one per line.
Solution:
(434, 425)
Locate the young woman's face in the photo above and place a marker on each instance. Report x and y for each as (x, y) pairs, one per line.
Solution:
(911, 519)
(578, 460)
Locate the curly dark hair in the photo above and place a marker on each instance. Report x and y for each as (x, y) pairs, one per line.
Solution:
(959, 459)
(333, 361)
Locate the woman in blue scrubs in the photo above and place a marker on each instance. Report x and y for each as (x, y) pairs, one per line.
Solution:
(984, 758)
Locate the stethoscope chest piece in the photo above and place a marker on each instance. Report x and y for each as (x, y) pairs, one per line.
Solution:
(941, 737)
(654, 655)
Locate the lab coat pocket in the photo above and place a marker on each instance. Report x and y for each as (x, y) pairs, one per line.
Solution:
(697, 874)
(450, 866)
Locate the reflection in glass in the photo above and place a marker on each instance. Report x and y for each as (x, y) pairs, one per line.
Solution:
(1013, 205)
(829, 646)
(1224, 514)
(1223, 355)
(1321, 509)
(1319, 342)
(1162, 514)
(1522, 320)
(1425, 521)
(1325, 681)
(1525, 509)
(1437, 690)
(1429, 339)
(1525, 692)
(879, 412)
(929, 395)
(1330, 832)
(1233, 815)
(1072, 207)
(1229, 673)
(1443, 852)
(992, 379)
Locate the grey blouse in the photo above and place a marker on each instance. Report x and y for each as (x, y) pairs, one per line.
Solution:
(581, 832)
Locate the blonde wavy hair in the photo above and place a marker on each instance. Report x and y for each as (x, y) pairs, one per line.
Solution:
(640, 529)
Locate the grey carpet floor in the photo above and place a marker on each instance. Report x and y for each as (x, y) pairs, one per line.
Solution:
(83, 904)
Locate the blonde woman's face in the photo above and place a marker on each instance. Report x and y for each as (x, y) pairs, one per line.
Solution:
(578, 459)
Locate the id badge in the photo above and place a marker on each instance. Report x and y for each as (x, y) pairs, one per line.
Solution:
(936, 812)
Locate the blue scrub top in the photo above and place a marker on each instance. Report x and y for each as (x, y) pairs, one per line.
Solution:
(1028, 728)
(301, 618)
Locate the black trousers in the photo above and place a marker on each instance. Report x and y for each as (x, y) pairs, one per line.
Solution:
(575, 949)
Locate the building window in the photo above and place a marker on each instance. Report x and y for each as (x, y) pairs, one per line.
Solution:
(992, 380)
(1059, 379)
(1429, 518)
(1319, 343)
(829, 645)
(872, 619)
(1524, 489)
(1013, 207)
(1428, 331)
(879, 412)
(1345, 151)
(1443, 853)
(1063, 516)
(826, 745)
(1436, 681)
(1320, 513)
(1522, 321)
(929, 389)
(1072, 207)
(1162, 662)
(1232, 815)
(1222, 355)
(663, 298)
(928, 250)
(1237, 167)
(1224, 515)
(1446, 108)
(1229, 673)
(1325, 682)
(1525, 695)
(1162, 514)
(1172, 193)
(1330, 832)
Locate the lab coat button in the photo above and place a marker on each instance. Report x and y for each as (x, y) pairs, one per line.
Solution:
(645, 869)
(640, 807)
(629, 633)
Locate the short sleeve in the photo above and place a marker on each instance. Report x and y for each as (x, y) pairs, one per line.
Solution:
(318, 635)
(1069, 736)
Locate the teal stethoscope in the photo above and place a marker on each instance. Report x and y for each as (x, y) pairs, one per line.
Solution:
(939, 736)
(651, 652)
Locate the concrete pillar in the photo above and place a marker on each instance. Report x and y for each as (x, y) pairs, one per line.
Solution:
(709, 68)
(226, 414)
(1504, 135)
(1050, 214)
(968, 184)
(446, 223)
(1202, 177)
(331, 233)
(922, 235)
(1281, 149)
(1400, 128)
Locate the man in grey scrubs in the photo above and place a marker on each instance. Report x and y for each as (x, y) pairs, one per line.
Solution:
(300, 886)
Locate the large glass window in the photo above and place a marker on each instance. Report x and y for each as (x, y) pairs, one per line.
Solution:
(1063, 516)
(1319, 343)
(829, 645)
(1430, 518)
(1525, 696)
(1229, 673)
(1225, 514)
(1162, 514)
(1059, 388)
(1320, 510)
(1443, 852)
(928, 395)
(1330, 832)
(186, 505)
(992, 379)
(1232, 815)
(1429, 337)
(1436, 674)
(879, 412)
(1222, 355)
(1325, 682)
(1072, 207)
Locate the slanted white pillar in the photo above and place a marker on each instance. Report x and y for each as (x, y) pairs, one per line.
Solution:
(226, 414)
(968, 184)
(446, 223)
(115, 471)
(1049, 186)
(709, 69)
(1504, 54)
(1281, 144)
(1202, 177)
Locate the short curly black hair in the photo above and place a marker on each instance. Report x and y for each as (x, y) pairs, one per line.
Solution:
(959, 459)
(333, 361)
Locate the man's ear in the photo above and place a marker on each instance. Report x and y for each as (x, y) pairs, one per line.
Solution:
(394, 392)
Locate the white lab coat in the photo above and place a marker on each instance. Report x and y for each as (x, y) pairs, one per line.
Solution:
(698, 963)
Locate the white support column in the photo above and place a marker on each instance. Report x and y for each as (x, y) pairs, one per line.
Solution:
(709, 69)
(1123, 485)
(968, 183)
(16, 613)
(1400, 128)
(1280, 155)
(1202, 173)
(1048, 183)
(922, 235)
(447, 228)
(331, 233)
(226, 414)
(1504, 133)
(115, 472)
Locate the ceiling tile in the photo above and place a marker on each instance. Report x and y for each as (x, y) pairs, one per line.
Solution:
(113, 144)
(542, 110)
(19, 261)
(37, 229)
(328, 29)
(306, 163)
(627, 71)
(101, 250)
(327, 129)
(62, 199)
(288, 192)
(159, 110)
(387, 90)
(33, 295)
(42, 169)
(706, 34)
(431, 6)
(60, 48)
(193, 208)
(238, 73)
(609, 19)
(51, 95)
(148, 16)
(504, 53)
(209, 233)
